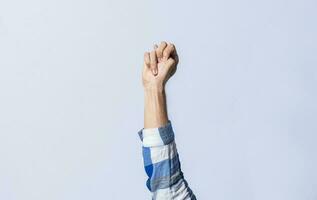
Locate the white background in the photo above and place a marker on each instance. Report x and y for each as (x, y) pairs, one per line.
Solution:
(242, 103)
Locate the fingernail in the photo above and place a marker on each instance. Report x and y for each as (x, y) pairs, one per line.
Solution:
(154, 71)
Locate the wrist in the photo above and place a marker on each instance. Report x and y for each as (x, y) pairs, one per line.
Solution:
(154, 89)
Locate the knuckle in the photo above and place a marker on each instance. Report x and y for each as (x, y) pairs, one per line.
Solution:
(163, 43)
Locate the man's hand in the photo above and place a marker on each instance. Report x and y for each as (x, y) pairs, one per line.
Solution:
(159, 65)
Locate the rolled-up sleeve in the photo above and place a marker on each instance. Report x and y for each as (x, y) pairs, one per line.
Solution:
(162, 165)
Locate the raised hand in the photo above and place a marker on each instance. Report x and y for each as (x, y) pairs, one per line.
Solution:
(159, 65)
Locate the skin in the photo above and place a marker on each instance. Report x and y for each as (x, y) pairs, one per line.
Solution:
(159, 66)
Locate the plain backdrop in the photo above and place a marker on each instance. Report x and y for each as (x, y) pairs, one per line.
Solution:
(242, 103)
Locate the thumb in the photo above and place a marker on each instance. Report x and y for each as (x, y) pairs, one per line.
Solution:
(169, 65)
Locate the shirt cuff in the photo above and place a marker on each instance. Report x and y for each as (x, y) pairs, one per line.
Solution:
(159, 136)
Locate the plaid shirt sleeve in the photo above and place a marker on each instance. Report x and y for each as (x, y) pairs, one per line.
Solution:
(162, 166)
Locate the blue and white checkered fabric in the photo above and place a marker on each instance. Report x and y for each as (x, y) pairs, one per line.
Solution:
(162, 166)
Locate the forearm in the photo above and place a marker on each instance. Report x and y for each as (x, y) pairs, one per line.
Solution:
(160, 156)
(155, 107)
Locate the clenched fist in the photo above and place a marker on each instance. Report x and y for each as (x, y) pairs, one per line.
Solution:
(159, 65)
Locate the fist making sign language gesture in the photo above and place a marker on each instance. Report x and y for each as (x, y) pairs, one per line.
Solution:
(159, 65)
